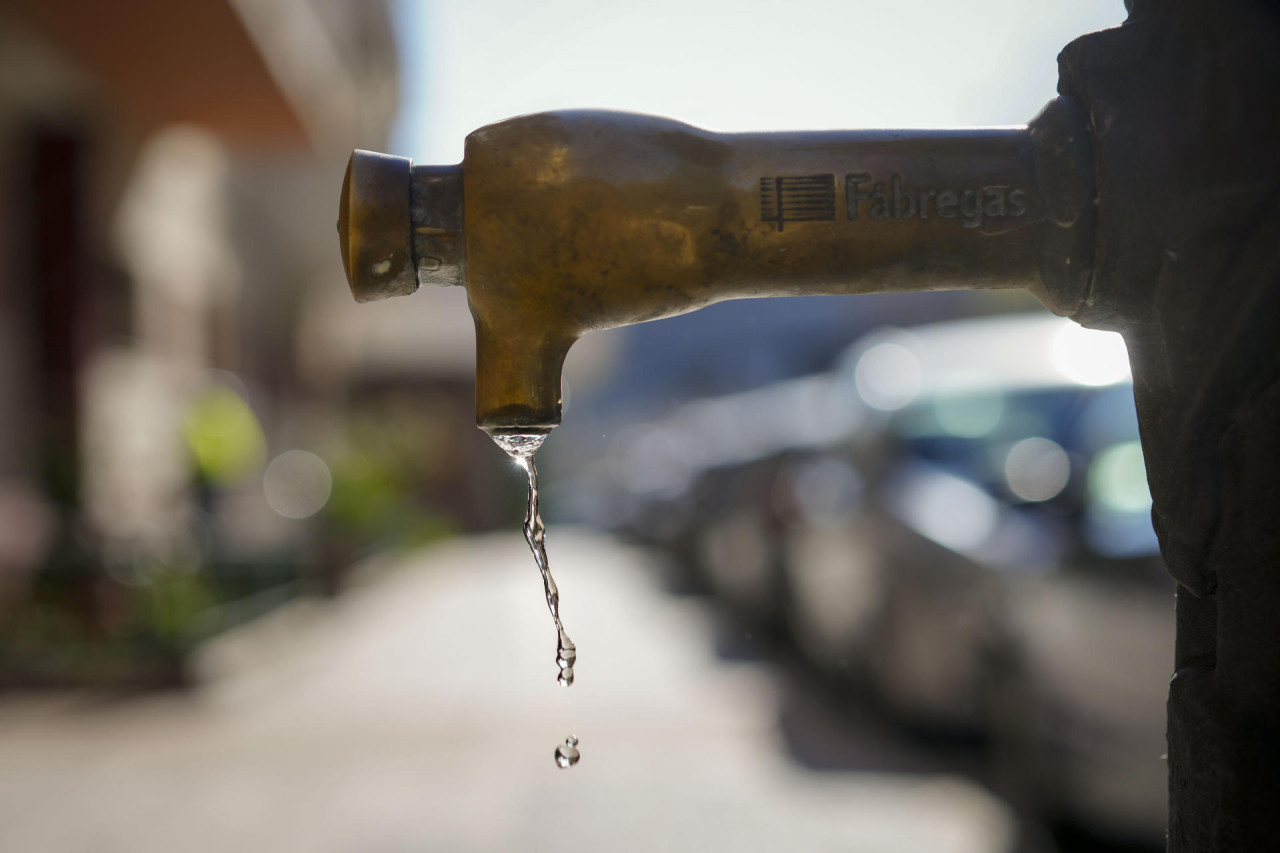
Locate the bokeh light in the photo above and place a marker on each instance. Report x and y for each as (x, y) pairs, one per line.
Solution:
(887, 376)
(1090, 356)
(1118, 478)
(223, 433)
(970, 414)
(297, 484)
(1037, 469)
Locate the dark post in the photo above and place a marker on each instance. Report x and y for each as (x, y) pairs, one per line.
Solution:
(1184, 107)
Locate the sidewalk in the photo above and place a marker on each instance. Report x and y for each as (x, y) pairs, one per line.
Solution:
(420, 713)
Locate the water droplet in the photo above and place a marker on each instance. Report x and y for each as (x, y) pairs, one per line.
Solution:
(567, 754)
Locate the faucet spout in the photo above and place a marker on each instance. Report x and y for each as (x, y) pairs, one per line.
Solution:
(518, 377)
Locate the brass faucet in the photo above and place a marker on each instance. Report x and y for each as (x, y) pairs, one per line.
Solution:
(559, 224)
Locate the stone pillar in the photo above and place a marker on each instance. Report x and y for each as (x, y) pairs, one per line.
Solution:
(1183, 103)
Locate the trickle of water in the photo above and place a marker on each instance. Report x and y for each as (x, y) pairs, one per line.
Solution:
(567, 753)
(522, 447)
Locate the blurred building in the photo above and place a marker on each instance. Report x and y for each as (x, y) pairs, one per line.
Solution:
(171, 426)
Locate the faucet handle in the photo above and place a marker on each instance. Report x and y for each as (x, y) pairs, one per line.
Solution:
(374, 228)
(400, 225)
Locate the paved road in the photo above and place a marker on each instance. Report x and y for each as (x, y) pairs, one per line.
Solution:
(420, 713)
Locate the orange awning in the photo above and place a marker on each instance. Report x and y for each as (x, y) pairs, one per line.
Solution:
(161, 62)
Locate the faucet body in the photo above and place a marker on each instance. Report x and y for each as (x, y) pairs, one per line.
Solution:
(561, 224)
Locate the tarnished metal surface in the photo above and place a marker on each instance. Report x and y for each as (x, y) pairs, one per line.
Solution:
(436, 216)
(579, 221)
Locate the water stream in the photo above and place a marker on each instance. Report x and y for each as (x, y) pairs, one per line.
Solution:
(522, 447)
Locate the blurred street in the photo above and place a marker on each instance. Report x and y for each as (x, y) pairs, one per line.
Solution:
(889, 569)
(420, 712)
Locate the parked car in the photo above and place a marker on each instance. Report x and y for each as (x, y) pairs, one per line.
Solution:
(1000, 575)
(700, 484)
(956, 519)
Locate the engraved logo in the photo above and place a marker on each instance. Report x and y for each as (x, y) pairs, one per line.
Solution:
(897, 200)
(799, 198)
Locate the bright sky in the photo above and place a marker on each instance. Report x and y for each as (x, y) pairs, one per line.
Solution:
(731, 64)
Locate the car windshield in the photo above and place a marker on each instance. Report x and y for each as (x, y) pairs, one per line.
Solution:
(1071, 451)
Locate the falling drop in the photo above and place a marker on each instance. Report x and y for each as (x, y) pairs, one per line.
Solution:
(567, 754)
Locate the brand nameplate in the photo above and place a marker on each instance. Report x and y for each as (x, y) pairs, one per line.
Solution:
(812, 198)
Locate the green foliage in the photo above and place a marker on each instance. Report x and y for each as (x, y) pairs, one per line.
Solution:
(224, 436)
(92, 628)
(383, 467)
(174, 602)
